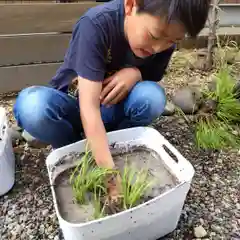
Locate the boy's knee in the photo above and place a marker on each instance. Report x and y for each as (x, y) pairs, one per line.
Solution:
(30, 106)
(147, 101)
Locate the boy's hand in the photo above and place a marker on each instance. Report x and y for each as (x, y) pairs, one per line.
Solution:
(117, 86)
(114, 188)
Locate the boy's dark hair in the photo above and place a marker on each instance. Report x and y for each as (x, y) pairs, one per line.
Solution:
(192, 14)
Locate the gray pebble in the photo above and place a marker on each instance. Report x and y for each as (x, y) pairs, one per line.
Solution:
(216, 229)
(15, 135)
(169, 109)
(23, 218)
(56, 238)
(50, 229)
(187, 99)
(29, 197)
(45, 212)
(13, 237)
(199, 232)
(237, 57)
(17, 230)
(42, 228)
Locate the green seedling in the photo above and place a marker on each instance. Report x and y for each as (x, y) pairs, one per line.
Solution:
(88, 180)
(87, 177)
(89, 184)
(134, 185)
(79, 178)
(97, 203)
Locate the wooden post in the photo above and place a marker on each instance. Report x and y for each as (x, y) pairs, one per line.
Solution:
(213, 25)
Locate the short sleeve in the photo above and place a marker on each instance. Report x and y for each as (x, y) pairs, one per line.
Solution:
(155, 69)
(88, 50)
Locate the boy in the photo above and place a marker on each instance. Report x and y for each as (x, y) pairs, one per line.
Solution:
(118, 51)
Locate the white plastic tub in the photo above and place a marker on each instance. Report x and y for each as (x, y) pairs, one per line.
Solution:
(148, 221)
(7, 158)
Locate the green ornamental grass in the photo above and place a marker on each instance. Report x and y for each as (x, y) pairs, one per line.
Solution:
(215, 134)
(215, 130)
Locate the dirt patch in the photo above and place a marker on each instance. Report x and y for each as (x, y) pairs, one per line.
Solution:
(139, 158)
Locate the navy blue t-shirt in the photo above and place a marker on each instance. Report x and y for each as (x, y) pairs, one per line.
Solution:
(98, 48)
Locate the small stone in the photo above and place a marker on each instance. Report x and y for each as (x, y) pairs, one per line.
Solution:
(238, 206)
(234, 132)
(236, 89)
(198, 64)
(27, 190)
(23, 218)
(41, 228)
(13, 237)
(29, 197)
(56, 238)
(15, 135)
(237, 57)
(169, 109)
(212, 86)
(17, 230)
(217, 210)
(37, 179)
(187, 99)
(11, 212)
(199, 232)
(50, 229)
(212, 234)
(216, 229)
(45, 212)
(201, 221)
(219, 161)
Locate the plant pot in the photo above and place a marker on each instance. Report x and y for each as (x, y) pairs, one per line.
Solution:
(7, 158)
(148, 221)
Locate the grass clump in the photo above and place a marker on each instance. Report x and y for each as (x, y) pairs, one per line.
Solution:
(214, 128)
(134, 185)
(88, 183)
(214, 134)
(87, 177)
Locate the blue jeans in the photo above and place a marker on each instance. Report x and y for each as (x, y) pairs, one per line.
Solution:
(53, 116)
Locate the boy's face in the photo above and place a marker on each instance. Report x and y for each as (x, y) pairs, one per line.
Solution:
(149, 34)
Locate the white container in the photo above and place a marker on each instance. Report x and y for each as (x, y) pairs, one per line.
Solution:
(148, 221)
(7, 157)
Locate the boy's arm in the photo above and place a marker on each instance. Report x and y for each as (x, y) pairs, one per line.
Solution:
(87, 56)
(89, 92)
(155, 69)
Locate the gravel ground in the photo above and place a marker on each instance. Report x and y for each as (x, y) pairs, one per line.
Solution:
(213, 203)
(211, 211)
(212, 207)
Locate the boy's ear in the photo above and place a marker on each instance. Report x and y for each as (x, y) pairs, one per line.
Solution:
(130, 7)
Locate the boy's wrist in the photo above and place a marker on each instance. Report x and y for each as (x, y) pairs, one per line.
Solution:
(106, 163)
(139, 74)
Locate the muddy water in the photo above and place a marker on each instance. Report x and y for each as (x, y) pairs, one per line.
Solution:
(139, 158)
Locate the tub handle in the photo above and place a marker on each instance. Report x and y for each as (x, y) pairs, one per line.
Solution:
(173, 152)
